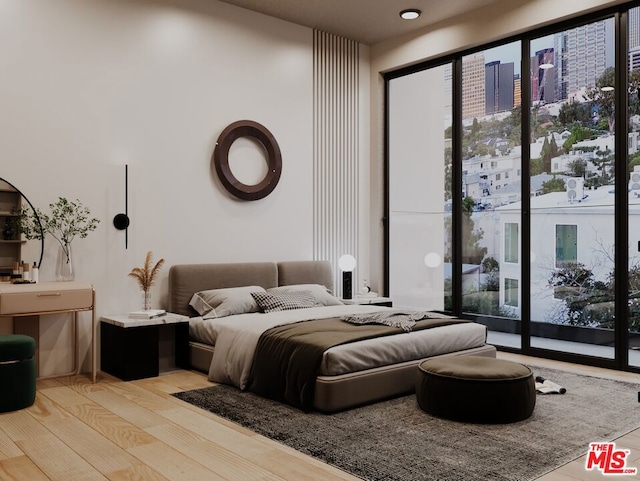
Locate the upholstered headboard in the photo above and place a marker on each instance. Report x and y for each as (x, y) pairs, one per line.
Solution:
(305, 272)
(186, 279)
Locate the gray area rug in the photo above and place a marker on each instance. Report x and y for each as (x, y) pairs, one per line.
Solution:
(396, 441)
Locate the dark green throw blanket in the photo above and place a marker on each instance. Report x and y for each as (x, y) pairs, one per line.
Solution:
(287, 358)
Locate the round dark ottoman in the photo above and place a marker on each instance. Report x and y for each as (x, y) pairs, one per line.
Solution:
(476, 389)
(17, 372)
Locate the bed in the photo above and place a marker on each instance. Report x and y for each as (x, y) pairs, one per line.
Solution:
(348, 375)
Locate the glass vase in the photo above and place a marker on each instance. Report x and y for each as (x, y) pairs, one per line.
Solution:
(146, 300)
(64, 264)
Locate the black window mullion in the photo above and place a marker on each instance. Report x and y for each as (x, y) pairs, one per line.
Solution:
(621, 216)
(525, 214)
(456, 190)
(387, 188)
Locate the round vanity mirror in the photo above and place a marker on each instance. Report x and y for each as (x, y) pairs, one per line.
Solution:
(14, 247)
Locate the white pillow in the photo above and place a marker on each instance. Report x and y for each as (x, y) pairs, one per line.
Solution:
(225, 302)
(320, 292)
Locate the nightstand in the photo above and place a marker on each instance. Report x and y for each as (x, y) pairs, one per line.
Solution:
(138, 348)
(373, 301)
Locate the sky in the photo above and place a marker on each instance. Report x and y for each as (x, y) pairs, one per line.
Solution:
(511, 52)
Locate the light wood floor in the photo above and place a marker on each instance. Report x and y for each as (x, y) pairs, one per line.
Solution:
(136, 431)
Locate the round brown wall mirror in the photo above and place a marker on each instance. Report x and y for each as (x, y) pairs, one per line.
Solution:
(247, 128)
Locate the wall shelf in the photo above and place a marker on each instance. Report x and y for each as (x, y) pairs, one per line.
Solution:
(10, 206)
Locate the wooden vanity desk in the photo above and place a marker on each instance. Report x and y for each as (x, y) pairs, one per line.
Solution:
(27, 302)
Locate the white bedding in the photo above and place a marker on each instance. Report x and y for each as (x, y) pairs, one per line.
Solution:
(236, 337)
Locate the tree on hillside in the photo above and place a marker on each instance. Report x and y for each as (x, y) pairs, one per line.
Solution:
(605, 99)
(472, 252)
(448, 132)
(475, 127)
(578, 134)
(604, 96)
(634, 160)
(574, 112)
(553, 147)
(448, 172)
(468, 203)
(545, 155)
(489, 264)
(553, 185)
(512, 126)
(577, 168)
(602, 160)
(634, 92)
(535, 127)
(573, 274)
(535, 167)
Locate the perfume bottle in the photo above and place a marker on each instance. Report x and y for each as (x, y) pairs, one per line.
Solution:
(26, 274)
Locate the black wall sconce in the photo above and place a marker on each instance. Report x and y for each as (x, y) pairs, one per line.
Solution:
(122, 221)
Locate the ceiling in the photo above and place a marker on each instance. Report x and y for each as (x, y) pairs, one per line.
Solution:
(366, 21)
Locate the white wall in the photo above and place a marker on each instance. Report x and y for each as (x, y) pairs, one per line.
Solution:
(88, 86)
(475, 28)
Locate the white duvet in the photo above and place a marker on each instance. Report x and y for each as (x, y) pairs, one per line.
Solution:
(235, 339)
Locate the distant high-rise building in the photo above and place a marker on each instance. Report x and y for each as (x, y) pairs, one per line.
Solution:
(517, 90)
(634, 28)
(634, 38)
(473, 86)
(581, 58)
(448, 95)
(634, 58)
(543, 81)
(498, 81)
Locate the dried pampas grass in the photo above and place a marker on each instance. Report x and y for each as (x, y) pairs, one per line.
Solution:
(146, 275)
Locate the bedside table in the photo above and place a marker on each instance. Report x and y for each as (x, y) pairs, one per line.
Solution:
(131, 348)
(374, 301)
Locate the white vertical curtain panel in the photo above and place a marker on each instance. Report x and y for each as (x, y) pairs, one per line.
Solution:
(335, 150)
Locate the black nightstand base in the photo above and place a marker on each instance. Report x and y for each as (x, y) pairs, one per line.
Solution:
(133, 353)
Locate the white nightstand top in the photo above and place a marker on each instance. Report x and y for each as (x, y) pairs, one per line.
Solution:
(366, 300)
(124, 321)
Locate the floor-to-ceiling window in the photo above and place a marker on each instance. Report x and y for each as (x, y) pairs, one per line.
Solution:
(420, 139)
(527, 227)
(633, 172)
(572, 154)
(491, 158)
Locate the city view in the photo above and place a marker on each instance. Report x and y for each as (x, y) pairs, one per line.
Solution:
(571, 175)
(570, 181)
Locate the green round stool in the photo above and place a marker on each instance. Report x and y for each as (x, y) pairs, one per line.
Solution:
(17, 372)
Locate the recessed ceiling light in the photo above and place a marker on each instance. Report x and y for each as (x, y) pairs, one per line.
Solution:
(410, 13)
(607, 88)
(546, 66)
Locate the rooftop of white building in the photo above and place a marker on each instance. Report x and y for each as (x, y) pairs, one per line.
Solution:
(592, 201)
